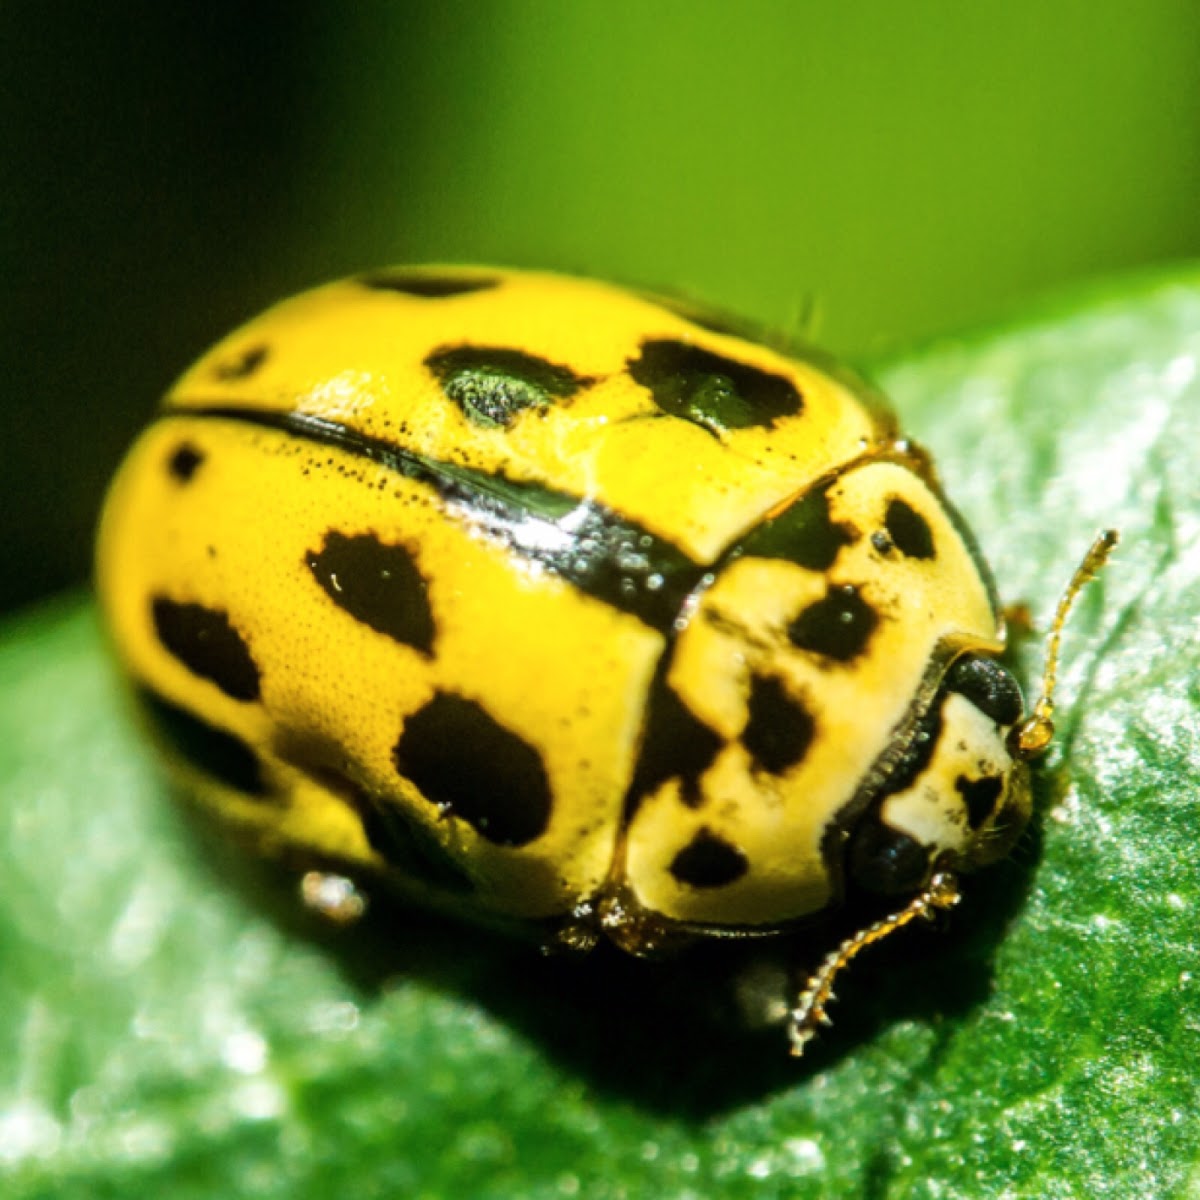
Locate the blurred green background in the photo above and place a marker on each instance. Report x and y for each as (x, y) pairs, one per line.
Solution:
(166, 170)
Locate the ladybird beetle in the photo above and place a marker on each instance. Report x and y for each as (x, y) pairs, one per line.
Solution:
(568, 608)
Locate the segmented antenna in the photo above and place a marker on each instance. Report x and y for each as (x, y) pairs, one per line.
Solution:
(1031, 737)
(809, 1012)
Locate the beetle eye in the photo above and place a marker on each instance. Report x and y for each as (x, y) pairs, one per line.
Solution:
(988, 686)
(886, 861)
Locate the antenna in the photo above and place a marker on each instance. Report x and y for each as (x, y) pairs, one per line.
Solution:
(809, 1012)
(1031, 737)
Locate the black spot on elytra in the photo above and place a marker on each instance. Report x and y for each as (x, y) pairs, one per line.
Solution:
(988, 686)
(886, 861)
(378, 584)
(184, 461)
(471, 767)
(709, 861)
(804, 533)
(205, 641)
(909, 531)
(411, 850)
(426, 284)
(837, 626)
(712, 391)
(980, 796)
(494, 385)
(241, 365)
(675, 744)
(779, 729)
(212, 751)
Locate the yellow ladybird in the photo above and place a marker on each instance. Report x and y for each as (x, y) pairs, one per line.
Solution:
(553, 603)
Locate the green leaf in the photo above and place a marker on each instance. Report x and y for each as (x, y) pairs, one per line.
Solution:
(171, 1023)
